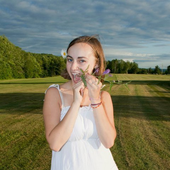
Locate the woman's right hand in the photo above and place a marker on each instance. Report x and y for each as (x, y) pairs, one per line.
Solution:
(78, 91)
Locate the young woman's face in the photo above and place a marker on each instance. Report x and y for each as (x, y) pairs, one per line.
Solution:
(80, 55)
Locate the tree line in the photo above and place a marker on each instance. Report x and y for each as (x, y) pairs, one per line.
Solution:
(120, 66)
(16, 63)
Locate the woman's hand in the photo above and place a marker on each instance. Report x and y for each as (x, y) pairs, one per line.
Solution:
(94, 87)
(78, 91)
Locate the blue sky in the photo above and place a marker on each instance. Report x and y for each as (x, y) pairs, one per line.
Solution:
(128, 29)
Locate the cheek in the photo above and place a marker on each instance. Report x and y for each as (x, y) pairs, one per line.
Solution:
(88, 67)
(92, 65)
(90, 70)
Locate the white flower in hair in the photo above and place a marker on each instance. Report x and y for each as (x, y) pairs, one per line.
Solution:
(63, 53)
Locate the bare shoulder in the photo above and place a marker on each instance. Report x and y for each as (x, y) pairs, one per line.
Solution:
(52, 97)
(52, 92)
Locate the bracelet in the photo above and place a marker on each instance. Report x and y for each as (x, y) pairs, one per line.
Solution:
(94, 106)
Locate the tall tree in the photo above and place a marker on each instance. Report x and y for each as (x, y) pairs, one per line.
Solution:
(157, 70)
(5, 70)
(134, 68)
(126, 66)
(168, 69)
(150, 71)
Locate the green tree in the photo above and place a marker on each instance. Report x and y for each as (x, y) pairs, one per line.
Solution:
(121, 66)
(114, 64)
(45, 66)
(157, 70)
(56, 65)
(126, 67)
(134, 68)
(150, 71)
(108, 66)
(5, 70)
(32, 68)
(168, 69)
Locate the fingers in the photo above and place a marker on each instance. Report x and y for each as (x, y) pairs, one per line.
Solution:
(79, 88)
(82, 91)
(93, 81)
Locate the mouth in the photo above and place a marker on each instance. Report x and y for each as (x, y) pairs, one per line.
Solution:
(76, 77)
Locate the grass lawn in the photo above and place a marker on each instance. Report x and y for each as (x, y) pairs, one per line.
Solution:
(142, 119)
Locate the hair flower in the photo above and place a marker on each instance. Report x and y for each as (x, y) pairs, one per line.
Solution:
(63, 53)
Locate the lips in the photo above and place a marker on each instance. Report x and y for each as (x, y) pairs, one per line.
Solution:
(76, 77)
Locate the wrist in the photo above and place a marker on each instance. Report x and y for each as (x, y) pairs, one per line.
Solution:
(76, 103)
(95, 99)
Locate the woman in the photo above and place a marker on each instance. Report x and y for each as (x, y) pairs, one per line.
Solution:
(79, 122)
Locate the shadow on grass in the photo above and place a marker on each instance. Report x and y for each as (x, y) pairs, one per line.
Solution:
(20, 103)
(142, 107)
(139, 107)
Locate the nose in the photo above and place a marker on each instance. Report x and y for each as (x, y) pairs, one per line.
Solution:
(74, 66)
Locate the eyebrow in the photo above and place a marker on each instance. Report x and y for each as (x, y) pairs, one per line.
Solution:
(77, 57)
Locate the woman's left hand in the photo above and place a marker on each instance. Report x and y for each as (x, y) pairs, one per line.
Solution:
(94, 87)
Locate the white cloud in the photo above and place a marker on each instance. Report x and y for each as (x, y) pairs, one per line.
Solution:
(130, 60)
(48, 26)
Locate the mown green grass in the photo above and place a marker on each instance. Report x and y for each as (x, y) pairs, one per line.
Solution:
(142, 119)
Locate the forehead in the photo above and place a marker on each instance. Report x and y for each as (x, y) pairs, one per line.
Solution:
(80, 50)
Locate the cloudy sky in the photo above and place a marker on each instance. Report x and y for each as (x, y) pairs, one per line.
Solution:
(128, 29)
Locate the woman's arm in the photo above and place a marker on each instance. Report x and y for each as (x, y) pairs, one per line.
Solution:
(104, 120)
(104, 113)
(58, 132)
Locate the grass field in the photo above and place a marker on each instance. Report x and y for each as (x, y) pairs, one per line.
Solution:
(142, 119)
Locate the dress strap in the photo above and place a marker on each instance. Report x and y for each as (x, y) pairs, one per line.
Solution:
(58, 87)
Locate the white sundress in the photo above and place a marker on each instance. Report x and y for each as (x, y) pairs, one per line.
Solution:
(83, 150)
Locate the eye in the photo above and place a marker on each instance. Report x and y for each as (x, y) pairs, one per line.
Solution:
(82, 61)
(69, 60)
